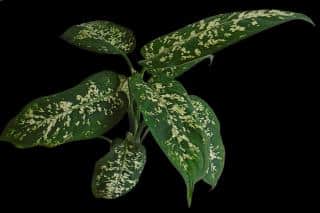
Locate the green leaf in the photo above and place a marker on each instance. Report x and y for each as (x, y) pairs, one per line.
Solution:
(102, 37)
(85, 111)
(211, 128)
(209, 36)
(118, 171)
(168, 113)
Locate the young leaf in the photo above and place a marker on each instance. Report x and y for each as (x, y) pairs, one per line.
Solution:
(211, 128)
(82, 112)
(167, 111)
(210, 35)
(102, 37)
(118, 171)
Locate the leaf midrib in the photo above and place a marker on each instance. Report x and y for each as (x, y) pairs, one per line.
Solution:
(121, 170)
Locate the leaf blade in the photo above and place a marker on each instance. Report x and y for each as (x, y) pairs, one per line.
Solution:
(82, 112)
(102, 37)
(119, 171)
(167, 112)
(211, 35)
(211, 127)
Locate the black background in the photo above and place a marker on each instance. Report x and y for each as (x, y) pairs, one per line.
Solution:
(262, 89)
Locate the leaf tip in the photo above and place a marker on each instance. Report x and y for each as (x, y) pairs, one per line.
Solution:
(210, 57)
(15, 143)
(213, 186)
(3, 139)
(63, 36)
(311, 22)
(190, 189)
(308, 19)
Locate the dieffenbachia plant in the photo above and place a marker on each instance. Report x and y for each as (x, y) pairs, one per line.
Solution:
(183, 125)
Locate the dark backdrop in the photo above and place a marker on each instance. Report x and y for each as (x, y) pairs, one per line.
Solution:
(262, 90)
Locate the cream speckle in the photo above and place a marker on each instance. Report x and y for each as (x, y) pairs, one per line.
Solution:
(163, 59)
(254, 23)
(197, 52)
(65, 105)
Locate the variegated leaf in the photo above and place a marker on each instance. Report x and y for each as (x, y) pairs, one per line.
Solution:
(211, 128)
(167, 111)
(102, 37)
(82, 112)
(118, 171)
(210, 35)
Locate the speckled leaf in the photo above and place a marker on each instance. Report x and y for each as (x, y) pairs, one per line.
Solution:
(118, 171)
(103, 37)
(210, 35)
(167, 112)
(211, 128)
(82, 112)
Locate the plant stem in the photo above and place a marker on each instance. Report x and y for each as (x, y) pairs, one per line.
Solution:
(144, 135)
(132, 119)
(106, 139)
(129, 63)
(133, 114)
(140, 129)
